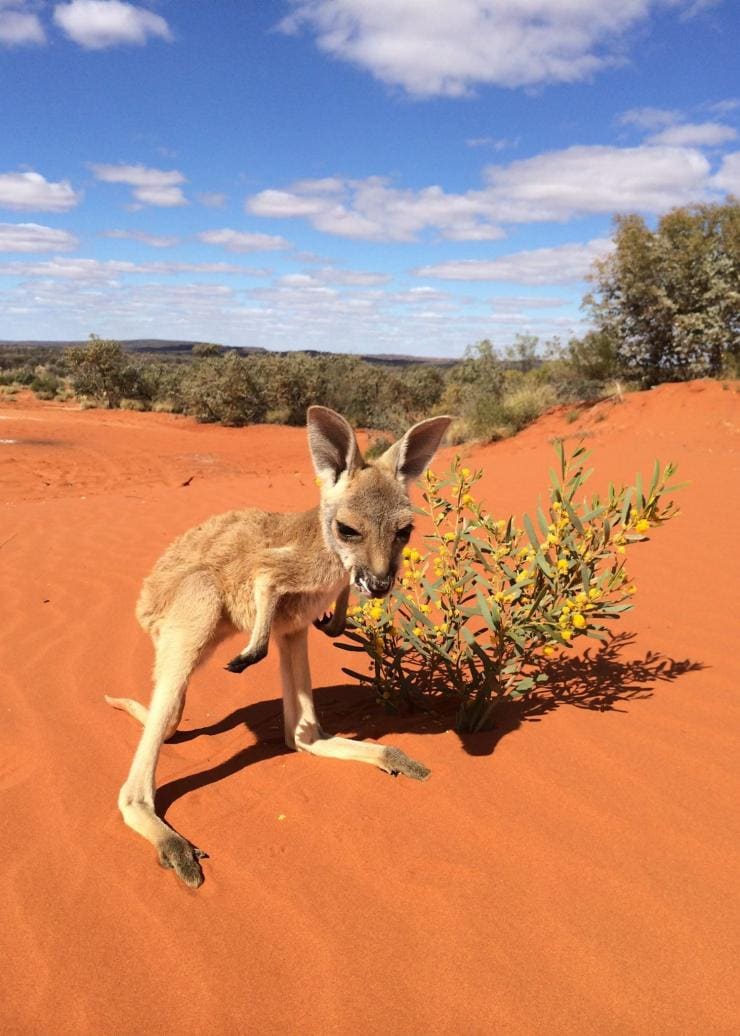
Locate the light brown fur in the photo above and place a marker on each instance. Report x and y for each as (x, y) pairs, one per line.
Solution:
(273, 574)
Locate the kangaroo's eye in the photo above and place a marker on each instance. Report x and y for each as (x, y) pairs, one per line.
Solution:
(346, 532)
(404, 534)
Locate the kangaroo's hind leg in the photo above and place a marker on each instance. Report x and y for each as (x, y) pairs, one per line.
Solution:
(183, 633)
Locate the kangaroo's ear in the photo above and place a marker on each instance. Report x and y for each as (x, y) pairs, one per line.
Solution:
(410, 456)
(332, 442)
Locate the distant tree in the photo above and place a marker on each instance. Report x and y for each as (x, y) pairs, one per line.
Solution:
(669, 300)
(593, 358)
(101, 370)
(523, 354)
(475, 387)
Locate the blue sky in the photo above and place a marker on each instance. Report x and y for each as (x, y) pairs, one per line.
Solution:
(354, 175)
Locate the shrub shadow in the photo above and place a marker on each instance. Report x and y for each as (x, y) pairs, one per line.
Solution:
(600, 679)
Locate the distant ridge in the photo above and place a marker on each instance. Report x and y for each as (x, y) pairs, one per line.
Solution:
(169, 346)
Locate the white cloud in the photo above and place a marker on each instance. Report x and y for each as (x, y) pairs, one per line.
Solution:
(447, 47)
(728, 177)
(19, 28)
(694, 134)
(65, 298)
(649, 118)
(559, 185)
(151, 186)
(239, 241)
(90, 270)
(372, 210)
(554, 186)
(561, 264)
(509, 302)
(33, 237)
(97, 24)
(729, 104)
(493, 143)
(153, 240)
(33, 193)
(212, 199)
(353, 278)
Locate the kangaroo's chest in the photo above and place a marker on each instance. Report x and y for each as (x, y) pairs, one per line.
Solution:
(294, 611)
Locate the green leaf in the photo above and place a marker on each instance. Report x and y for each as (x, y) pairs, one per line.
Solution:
(533, 537)
(417, 613)
(490, 614)
(487, 665)
(595, 512)
(626, 503)
(543, 523)
(362, 677)
(544, 564)
(575, 520)
(638, 490)
(655, 479)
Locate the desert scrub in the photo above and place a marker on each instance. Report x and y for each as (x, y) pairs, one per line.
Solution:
(480, 611)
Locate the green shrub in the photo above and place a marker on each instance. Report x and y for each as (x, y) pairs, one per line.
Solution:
(523, 405)
(481, 610)
(102, 371)
(223, 389)
(377, 447)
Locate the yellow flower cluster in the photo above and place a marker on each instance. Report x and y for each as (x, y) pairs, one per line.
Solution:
(572, 614)
(368, 614)
(412, 571)
(637, 521)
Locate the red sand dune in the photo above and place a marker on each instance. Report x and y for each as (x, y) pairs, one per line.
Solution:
(572, 872)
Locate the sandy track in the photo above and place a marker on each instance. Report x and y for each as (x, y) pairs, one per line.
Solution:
(574, 871)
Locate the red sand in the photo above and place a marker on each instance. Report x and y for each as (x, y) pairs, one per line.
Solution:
(578, 878)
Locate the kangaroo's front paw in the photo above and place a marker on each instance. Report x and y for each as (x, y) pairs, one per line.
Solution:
(395, 761)
(182, 857)
(243, 661)
(330, 625)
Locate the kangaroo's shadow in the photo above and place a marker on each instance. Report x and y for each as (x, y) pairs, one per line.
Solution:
(600, 679)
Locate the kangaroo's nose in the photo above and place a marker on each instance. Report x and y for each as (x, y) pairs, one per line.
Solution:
(379, 585)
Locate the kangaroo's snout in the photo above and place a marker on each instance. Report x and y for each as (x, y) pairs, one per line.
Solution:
(372, 585)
